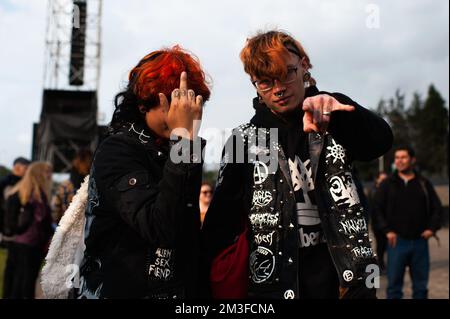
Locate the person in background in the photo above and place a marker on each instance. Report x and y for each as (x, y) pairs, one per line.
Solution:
(409, 213)
(81, 165)
(20, 166)
(206, 193)
(28, 220)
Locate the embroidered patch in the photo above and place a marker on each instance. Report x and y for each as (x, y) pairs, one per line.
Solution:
(336, 151)
(363, 252)
(260, 173)
(264, 220)
(162, 266)
(264, 238)
(262, 264)
(347, 275)
(289, 294)
(343, 190)
(261, 198)
(354, 226)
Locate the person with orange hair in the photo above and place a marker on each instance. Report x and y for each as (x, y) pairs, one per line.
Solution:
(142, 215)
(286, 183)
(65, 192)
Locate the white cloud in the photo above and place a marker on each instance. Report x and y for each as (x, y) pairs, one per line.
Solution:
(409, 51)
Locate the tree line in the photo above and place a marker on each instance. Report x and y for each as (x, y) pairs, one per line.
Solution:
(423, 125)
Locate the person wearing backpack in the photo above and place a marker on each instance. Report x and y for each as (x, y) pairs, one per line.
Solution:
(142, 214)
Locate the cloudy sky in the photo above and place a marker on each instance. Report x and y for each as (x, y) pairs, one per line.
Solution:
(365, 49)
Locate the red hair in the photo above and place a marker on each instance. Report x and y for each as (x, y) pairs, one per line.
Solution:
(264, 55)
(159, 72)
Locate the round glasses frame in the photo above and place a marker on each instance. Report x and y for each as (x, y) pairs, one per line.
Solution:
(290, 77)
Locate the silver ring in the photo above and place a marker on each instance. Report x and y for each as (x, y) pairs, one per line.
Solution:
(326, 113)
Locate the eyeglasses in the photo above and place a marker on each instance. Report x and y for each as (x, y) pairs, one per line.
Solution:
(267, 84)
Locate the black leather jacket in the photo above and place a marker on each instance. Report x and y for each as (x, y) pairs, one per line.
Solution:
(142, 220)
(265, 194)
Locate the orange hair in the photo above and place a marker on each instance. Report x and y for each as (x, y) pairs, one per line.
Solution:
(82, 161)
(264, 54)
(159, 72)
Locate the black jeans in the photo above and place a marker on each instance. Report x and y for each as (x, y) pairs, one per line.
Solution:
(27, 262)
(10, 269)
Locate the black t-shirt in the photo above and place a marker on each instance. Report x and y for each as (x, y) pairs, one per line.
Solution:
(317, 274)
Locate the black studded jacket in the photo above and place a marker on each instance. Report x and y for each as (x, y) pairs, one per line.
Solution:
(142, 219)
(258, 184)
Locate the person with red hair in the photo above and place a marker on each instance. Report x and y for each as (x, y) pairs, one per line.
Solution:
(142, 215)
(294, 195)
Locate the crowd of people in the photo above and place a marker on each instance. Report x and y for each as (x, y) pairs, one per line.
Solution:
(30, 214)
(285, 219)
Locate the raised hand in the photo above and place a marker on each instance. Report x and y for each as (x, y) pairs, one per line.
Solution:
(184, 109)
(318, 111)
